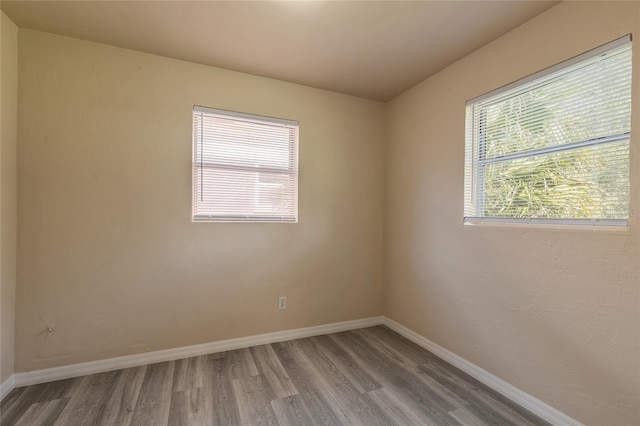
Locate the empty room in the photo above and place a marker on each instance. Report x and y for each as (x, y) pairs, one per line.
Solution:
(319, 213)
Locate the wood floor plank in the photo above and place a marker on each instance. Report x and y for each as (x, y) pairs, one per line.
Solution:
(59, 389)
(308, 390)
(43, 413)
(193, 406)
(395, 376)
(21, 399)
(187, 374)
(12, 406)
(293, 411)
(401, 413)
(254, 401)
(217, 377)
(119, 407)
(470, 396)
(271, 369)
(357, 407)
(154, 399)
(88, 400)
(479, 400)
(408, 357)
(490, 410)
(402, 350)
(238, 364)
(389, 351)
(12, 397)
(468, 418)
(347, 364)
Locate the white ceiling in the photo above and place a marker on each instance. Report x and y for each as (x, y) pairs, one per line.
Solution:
(372, 49)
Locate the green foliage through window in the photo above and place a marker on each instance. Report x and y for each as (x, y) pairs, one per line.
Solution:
(554, 147)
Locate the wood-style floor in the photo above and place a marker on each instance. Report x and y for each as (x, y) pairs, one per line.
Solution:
(371, 376)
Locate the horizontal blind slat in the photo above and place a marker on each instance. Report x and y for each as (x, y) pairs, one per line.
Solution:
(245, 167)
(555, 147)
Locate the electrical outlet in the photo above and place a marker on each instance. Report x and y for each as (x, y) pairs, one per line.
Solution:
(282, 302)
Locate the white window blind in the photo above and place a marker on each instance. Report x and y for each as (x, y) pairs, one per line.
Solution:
(553, 148)
(245, 167)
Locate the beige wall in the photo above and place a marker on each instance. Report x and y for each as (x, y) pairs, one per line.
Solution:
(108, 255)
(109, 258)
(554, 312)
(8, 189)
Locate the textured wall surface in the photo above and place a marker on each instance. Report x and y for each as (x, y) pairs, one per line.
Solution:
(108, 255)
(553, 312)
(8, 189)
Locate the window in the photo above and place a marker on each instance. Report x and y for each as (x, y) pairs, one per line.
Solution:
(553, 148)
(245, 167)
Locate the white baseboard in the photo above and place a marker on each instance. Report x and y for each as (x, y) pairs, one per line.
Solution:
(534, 405)
(516, 395)
(127, 361)
(7, 386)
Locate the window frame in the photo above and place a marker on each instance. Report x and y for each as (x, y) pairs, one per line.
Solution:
(292, 169)
(476, 161)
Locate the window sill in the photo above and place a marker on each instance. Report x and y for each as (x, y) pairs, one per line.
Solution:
(241, 220)
(621, 230)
